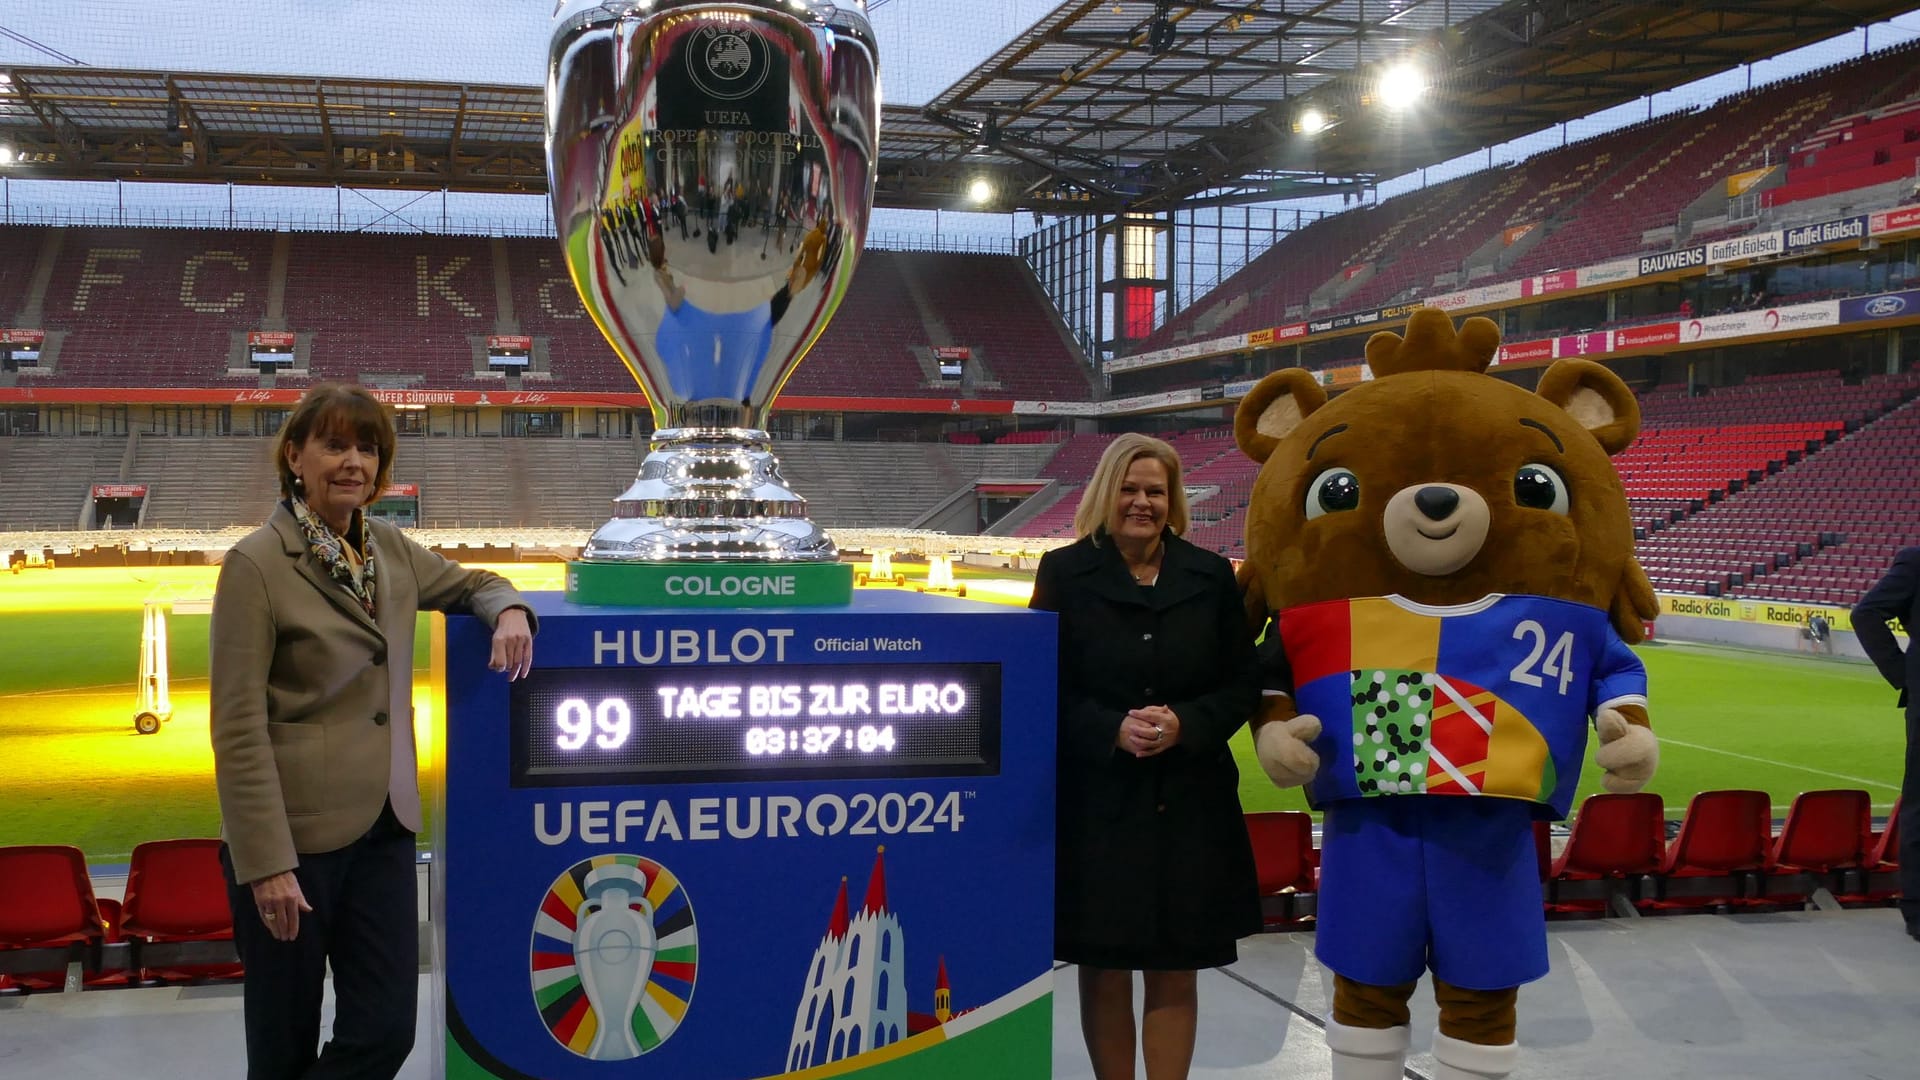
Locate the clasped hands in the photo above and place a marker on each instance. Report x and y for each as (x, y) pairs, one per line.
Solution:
(1147, 731)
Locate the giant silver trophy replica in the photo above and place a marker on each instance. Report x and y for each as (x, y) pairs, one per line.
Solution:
(711, 168)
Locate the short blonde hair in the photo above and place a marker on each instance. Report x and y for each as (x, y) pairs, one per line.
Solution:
(1103, 491)
(329, 408)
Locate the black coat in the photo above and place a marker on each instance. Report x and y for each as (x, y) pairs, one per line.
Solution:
(1152, 852)
(1897, 596)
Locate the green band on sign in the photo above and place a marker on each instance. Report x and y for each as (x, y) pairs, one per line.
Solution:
(696, 584)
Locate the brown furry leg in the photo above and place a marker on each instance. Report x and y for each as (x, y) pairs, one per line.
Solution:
(1361, 1005)
(1485, 1017)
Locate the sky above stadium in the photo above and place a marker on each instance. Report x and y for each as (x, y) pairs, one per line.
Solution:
(925, 44)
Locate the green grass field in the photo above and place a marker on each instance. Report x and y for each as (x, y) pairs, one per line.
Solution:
(73, 771)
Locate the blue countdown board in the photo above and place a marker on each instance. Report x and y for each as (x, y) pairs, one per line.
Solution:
(732, 844)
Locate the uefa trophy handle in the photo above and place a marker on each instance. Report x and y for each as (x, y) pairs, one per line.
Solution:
(711, 166)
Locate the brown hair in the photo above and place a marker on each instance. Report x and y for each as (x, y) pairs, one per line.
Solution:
(337, 407)
(1103, 490)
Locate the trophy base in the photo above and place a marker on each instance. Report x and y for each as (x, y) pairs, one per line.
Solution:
(709, 584)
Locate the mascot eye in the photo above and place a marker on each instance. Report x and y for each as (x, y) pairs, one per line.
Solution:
(1333, 491)
(1540, 488)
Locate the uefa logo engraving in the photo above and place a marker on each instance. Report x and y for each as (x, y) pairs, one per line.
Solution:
(614, 955)
(727, 64)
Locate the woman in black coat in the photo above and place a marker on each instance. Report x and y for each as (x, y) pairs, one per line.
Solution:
(1155, 872)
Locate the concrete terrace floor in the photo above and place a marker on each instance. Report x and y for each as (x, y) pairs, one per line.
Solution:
(1832, 995)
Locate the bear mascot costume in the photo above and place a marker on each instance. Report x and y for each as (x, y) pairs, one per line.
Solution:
(1447, 563)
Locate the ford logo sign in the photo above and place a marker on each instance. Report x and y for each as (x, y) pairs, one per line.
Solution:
(1882, 306)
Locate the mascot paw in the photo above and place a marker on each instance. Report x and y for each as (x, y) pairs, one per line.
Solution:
(1284, 751)
(1628, 753)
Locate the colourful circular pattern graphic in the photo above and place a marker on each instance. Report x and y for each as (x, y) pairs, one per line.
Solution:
(615, 951)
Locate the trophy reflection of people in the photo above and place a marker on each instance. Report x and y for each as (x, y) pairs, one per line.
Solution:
(613, 950)
(670, 110)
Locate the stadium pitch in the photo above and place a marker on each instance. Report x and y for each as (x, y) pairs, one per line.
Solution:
(75, 772)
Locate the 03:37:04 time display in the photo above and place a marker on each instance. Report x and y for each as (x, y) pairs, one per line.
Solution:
(823, 739)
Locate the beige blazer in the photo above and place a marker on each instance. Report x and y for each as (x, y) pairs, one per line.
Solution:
(312, 699)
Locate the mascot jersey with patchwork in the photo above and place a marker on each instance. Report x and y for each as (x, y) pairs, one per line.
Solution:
(1488, 698)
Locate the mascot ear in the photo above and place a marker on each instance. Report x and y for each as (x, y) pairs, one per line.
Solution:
(1273, 409)
(1597, 400)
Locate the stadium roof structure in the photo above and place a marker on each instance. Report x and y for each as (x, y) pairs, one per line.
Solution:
(1101, 106)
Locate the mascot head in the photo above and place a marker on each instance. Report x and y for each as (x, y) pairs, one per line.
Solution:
(1440, 483)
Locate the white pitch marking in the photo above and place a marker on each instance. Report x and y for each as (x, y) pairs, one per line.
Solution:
(1782, 764)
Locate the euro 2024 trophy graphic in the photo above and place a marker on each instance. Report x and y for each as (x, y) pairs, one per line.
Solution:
(711, 167)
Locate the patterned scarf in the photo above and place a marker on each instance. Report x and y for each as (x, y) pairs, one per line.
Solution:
(331, 549)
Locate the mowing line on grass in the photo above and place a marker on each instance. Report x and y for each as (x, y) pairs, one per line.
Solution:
(1782, 764)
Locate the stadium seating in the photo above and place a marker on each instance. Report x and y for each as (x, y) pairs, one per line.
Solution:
(1285, 863)
(46, 901)
(1615, 839)
(385, 305)
(1816, 527)
(147, 307)
(176, 892)
(1877, 880)
(1716, 859)
(1824, 835)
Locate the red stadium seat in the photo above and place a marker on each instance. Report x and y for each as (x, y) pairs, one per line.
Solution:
(1724, 841)
(1614, 841)
(1824, 834)
(1878, 879)
(1283, 862)
(46, 901)
(176, 892)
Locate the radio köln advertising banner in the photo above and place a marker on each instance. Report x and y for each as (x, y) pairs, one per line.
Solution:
(1756, 246)
(1846, 230)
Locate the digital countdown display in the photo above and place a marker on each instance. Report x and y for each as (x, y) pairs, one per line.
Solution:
(582, 726)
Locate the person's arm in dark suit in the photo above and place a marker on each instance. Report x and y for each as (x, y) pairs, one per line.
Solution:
(1892, 598)
(1088, 730)
(1208, 721)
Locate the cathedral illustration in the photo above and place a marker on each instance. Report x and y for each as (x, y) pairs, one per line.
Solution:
(855, 996)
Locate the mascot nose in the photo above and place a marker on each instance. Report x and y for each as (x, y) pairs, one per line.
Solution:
(1437, 503)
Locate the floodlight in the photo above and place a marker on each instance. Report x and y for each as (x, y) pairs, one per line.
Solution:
(981, 190)
(1401, 86)
(1313, 121)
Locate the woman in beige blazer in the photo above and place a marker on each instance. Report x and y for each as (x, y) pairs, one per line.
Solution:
(312, 664)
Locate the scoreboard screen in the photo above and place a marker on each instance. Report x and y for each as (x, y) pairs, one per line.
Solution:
(582, 726)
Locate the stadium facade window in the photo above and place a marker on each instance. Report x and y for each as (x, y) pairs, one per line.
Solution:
(21, 421)
(611, 424)
(534, 423)
(269, 421)
(410, 421)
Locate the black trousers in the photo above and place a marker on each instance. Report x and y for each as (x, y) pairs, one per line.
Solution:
(1910, 823)
(364, 899)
